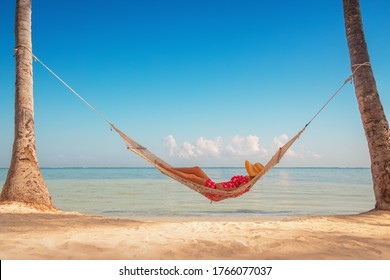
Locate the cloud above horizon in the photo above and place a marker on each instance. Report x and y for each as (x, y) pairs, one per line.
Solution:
(201, 147)
(279, 141)
(244, 146)
(235, 146)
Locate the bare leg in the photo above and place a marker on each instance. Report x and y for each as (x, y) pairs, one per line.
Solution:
(194, 174)
(196, 170)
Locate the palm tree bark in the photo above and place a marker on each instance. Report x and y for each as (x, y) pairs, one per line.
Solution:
(372, 114)
(24, 181)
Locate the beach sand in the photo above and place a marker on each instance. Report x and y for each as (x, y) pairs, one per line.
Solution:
(26, 233)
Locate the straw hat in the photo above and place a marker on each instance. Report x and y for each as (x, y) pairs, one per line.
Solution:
(253, 169)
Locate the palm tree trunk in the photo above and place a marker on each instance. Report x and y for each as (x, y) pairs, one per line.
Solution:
(24, 181)
(373, 117)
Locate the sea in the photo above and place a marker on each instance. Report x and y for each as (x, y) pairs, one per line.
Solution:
(146, 194)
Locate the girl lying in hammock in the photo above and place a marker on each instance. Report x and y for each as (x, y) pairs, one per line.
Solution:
(198, 176)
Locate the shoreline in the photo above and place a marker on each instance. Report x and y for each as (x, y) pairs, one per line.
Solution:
(61, 235)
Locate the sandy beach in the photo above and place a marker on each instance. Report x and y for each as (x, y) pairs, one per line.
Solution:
(29, 234)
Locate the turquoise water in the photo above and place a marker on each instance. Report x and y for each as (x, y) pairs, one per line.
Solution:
(144, 193)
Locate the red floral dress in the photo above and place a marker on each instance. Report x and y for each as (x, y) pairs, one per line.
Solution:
(234, 183)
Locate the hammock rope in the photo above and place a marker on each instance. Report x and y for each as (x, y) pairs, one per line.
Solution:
(72, 90)
(212, 194)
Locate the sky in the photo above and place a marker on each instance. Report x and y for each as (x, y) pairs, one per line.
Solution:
(208, 83)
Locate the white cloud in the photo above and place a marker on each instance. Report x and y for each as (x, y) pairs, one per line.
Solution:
(236, 146)
(280, 140)
(244, 146)
(201, 147)
(187, 150)
(170, 142)
(209, 147)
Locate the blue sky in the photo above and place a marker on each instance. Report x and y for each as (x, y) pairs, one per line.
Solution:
(207, 83)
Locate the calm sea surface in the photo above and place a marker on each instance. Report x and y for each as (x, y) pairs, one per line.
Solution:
(144, 193)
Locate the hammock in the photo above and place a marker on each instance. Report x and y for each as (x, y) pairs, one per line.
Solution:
(212, 194)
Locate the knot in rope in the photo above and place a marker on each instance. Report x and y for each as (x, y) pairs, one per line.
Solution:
(16, 49)
(359, 65)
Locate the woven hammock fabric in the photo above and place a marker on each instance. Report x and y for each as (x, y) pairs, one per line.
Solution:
(212, 194)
